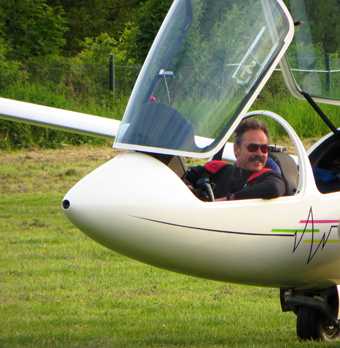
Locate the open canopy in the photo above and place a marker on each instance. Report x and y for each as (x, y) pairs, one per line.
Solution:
(314, 55)
(207, 65)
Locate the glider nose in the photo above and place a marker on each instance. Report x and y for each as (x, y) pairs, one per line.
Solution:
(94, 201)
(107, 204)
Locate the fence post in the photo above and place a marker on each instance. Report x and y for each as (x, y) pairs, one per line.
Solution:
(328, 73)
(112, 74)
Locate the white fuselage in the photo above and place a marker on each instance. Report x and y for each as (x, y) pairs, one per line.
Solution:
(136, 205)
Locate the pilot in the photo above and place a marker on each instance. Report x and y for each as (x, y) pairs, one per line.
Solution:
(249, 177)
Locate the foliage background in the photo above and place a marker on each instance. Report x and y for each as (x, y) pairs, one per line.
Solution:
(56, 53)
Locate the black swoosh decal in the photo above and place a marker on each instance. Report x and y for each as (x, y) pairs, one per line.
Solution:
(216, 231)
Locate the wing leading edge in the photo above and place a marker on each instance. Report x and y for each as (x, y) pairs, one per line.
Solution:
(70, 121)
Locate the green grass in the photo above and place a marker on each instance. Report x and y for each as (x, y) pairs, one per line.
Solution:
(60, 289)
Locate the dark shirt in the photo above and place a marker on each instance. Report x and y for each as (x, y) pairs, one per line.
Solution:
(233, 182)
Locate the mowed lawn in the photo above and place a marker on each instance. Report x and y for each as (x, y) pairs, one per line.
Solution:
(60, 289)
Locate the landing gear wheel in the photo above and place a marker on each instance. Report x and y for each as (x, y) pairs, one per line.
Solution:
(328, 331)
(311, 325)
(307, 323)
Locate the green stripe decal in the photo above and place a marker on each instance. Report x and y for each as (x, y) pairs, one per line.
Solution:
(295, 231)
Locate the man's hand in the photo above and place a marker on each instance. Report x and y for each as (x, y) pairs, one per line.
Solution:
(226, 198)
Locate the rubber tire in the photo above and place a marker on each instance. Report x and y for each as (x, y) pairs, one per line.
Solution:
(308, 324)
(327, 332)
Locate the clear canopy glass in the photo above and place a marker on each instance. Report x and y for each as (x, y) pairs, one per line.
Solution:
(206, 63)
(314, 55)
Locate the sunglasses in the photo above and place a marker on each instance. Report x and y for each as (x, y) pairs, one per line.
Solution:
(254, 147)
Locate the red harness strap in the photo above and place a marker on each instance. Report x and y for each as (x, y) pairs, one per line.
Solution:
(255, 175)
(214, 166)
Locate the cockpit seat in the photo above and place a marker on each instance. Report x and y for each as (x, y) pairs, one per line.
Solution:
(325, 160)
(289, 170)
(271, 164)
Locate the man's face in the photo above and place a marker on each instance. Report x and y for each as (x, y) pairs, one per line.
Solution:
(248, 155)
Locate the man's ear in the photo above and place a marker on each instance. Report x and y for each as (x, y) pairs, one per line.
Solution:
(236, 150)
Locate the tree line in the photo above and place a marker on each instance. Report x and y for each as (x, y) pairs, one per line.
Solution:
(56, 52)
(55, 32)
(39, 28)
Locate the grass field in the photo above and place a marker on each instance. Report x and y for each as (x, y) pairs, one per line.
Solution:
(60, 289)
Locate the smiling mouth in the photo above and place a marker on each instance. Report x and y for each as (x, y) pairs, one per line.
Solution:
(257, 159)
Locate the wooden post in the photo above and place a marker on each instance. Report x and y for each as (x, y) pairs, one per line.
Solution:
(112, 74)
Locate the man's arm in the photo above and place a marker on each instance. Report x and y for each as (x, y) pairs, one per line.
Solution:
(269, 185)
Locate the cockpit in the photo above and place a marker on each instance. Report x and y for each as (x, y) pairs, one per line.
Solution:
(205, 68)
(210, 61)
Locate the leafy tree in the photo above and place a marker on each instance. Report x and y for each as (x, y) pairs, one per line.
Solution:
(64, 47)
(324, 22)
(33, 28)
(148, 19)
(2, 23)
(90, 18)
(89, 69)
(326, 32)
(9, 70)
